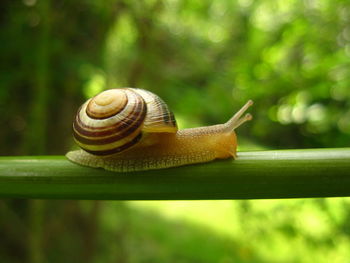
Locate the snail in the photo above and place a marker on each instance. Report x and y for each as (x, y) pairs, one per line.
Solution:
(132, 129)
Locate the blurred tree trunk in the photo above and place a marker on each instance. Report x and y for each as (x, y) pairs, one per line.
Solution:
(35, 141)
(41, 87)
(35, 230)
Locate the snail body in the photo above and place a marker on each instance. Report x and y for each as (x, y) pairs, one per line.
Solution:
(130, 129)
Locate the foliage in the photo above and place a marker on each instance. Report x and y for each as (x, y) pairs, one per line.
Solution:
(205, 58)
(301, 230)
(290, 57)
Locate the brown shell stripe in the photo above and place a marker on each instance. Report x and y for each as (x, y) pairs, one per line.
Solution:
(120, 131)
(168, 116)
(118, 149)
(93, 115)
(132, 122)
(165, 112)
(95, 132)
(172, 119)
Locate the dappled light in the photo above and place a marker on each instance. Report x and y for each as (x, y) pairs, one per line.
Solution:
(205, 59)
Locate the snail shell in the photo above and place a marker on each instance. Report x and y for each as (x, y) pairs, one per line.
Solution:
(115, 120)
(131, 129)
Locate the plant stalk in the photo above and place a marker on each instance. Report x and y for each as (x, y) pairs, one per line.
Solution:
(253, 175)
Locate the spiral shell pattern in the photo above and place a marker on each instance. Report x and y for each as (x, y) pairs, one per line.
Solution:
(110, 122)
(114, 120)
(159, 118)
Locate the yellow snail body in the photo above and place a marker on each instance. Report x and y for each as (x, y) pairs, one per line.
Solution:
(131, 129)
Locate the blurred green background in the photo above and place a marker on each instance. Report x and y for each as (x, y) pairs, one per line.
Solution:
(205, 59)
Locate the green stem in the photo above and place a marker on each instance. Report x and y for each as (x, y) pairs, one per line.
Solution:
(264, 174)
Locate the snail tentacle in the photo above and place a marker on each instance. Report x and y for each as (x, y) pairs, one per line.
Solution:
(237, 119)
